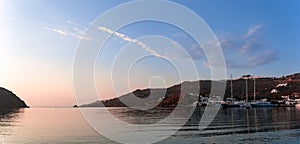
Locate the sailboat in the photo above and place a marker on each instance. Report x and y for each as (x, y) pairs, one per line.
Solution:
(246, 104)
(261, 103)
(230, 102)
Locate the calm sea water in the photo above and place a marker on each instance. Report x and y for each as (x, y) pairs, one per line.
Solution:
(235, 125)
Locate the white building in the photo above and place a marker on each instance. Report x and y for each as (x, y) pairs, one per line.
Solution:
(274, 91)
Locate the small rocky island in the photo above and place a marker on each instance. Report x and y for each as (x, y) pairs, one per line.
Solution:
(9, 100)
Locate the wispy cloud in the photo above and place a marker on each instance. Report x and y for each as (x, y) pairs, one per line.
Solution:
(132, 40)
(254, 30)
(263, 58)
(247, 50)
(189, 44)
(56, 30)
(71, 22)
(72, 29)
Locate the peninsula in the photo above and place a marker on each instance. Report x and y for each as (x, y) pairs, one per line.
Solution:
(9, 100)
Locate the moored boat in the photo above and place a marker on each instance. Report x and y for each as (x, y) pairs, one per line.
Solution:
(262, 104)
(230, 102)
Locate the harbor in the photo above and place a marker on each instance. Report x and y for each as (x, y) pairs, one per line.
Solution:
(290, 100)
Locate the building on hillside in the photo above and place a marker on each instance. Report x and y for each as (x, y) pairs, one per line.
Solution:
(296, 94)
(274, 91)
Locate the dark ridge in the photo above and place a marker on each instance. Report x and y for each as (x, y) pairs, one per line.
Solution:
(9, 100)
(169, 97)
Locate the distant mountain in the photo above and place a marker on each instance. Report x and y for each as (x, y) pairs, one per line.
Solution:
(94, 104)
(266, 87)
(9, 100)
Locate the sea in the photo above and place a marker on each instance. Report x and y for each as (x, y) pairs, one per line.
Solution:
(230, 125)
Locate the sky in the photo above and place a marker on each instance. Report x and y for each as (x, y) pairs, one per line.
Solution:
(38, 42)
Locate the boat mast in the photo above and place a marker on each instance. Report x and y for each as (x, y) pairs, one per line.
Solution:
(247, 89)
(231, 89)
(254, 90)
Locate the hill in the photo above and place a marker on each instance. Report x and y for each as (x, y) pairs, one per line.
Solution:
(266, 87)
(9, 100)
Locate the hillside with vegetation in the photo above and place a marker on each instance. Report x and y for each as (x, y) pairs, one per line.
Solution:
(270, 88)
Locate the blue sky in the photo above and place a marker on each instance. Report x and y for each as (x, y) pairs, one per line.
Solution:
(39, 40)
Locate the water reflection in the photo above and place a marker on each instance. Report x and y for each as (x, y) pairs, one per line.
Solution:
(7, 121)
(133, 116)
(227, 121)
(47, 125)
(235, 125)
(243, 121)
(8, 113)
